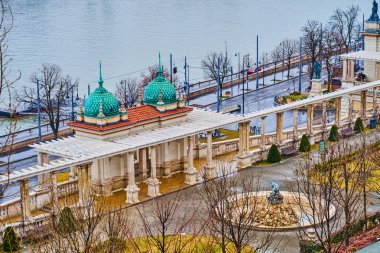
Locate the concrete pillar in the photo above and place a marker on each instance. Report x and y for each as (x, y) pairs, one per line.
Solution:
(210, 166)
(374, 101)
(352, 70)
(324, 120)
(262, 137)
(84, 183)
(244, 157)
(54, 190)
(132, 190)
(295, 125)
(350, 109)
(166, 161)
(153, 182)
(279, 127)
(338, 112)
(310, 123)
(73, 173)
(344, 77)
(43, 179)
(363, 107)
(143, 163)
(25, 199)
(190, 172)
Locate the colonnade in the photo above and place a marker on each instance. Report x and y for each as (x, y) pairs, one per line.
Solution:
(244, 156)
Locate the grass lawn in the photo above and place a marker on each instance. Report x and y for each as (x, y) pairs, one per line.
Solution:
(182, 243)
(228, 135)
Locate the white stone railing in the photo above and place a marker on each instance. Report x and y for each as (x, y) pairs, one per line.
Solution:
(12, 207)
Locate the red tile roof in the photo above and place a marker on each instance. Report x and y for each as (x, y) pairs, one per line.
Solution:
(135, 115)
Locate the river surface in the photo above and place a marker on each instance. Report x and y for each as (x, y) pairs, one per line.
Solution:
(126, 35)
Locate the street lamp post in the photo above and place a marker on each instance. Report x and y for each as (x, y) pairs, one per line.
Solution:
(283, 59)
(245, 58)
(238, 55)
(39, 111)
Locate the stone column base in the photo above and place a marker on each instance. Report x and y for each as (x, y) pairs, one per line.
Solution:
(191, 176)
(209, 170)
(132, 192)
(153, 187)
(244, 161)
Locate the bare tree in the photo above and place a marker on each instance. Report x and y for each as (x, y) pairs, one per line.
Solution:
(348, 184)
(290, 50)
(317, 200)
(345, 24)
(233, 211)
(127, 88)
(7, 82)
(210, 66)
(151, 73)
(165, 220)
(311, 42)
(54, 87)
(330, 45)
(276, 56)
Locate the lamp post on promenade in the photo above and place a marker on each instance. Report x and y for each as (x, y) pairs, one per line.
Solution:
(238, 55)
(39, 111)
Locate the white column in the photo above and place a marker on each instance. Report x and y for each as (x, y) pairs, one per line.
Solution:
(374, 101)
(338, 112)
(73, 173)
(310, 123)
(190, 172)
(363, 108)
(84, 183)
(279, 127)
(244, 157)
(350, 109)
(43, 179)
(324, 120)
(25, 199)
(263, 146)
(295, 125)
(210, 166)
(132, 190)
(143, 163)
(54, 190)
(345, 68)
(153, 182)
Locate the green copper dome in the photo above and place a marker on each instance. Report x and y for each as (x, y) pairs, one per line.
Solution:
(152, 90)
(110, 104)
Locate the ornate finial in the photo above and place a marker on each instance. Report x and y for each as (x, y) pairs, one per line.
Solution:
(159, 70)
(122, 108)
(101, 114)
(80, 109)
(100, 82)
(160, 101)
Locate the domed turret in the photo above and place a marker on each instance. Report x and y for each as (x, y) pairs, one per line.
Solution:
(101, 95)
(160, 92)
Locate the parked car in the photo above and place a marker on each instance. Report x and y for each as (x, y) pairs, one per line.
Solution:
(253, 71)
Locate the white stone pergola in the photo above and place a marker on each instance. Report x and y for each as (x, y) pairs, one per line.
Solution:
(81, 153)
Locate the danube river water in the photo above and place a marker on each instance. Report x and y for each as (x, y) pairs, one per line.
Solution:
(126, 35)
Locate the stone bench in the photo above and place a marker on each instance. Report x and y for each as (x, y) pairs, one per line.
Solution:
(288, 151)
(347, 132)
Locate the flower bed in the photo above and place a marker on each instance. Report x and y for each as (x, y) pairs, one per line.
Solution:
(362, 240)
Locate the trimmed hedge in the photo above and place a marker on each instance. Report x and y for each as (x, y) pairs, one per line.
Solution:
(358, 127)
(67, 222)
(274, 155)
(334, 135)
(307, 246)
(305, 144)
(10, 240)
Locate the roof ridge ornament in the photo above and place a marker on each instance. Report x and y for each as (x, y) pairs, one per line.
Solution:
(159, 69)
(100, 81)
(101, 114)
(139, 96)
(160, 102)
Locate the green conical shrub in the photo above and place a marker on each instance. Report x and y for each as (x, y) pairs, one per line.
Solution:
(274, 155)
(305, 144)
(334, 135)
(67, 222)
(10, 240)
(358, 127)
